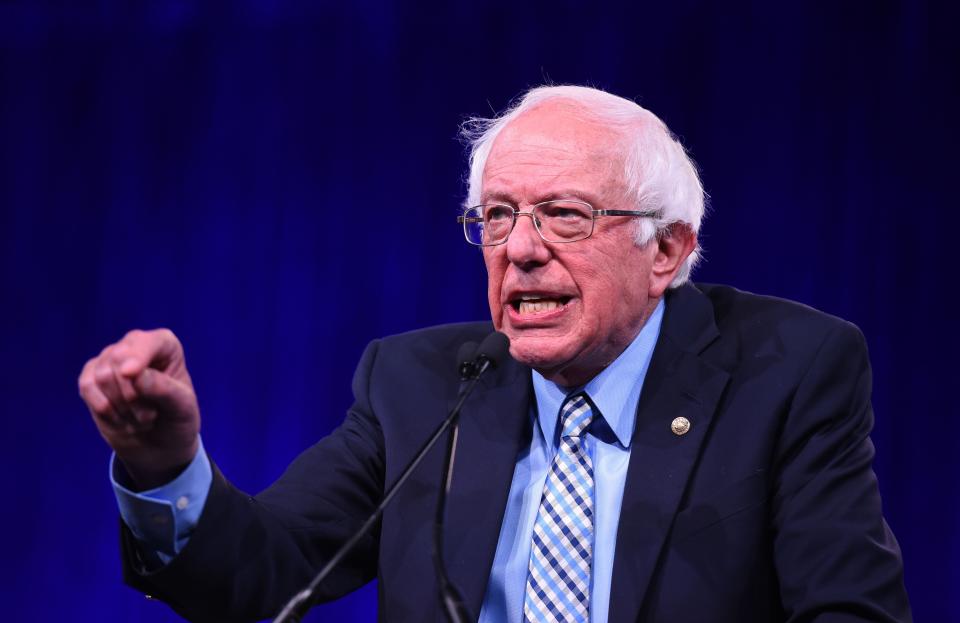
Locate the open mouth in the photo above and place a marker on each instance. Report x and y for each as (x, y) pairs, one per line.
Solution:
(527, 304)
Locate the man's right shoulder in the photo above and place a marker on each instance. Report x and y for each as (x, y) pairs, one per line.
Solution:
(417, 363)
(441, 336)
(431, 349)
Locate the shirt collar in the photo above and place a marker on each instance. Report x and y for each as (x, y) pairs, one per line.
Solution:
(615, 391)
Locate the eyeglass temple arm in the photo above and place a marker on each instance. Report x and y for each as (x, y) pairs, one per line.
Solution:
(643, 213)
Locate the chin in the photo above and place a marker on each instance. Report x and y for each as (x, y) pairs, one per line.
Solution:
(539, 353)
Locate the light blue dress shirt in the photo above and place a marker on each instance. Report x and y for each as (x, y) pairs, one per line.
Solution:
(615, 392)
(164, 518)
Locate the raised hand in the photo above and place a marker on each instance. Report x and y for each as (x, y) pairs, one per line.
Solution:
(142, 401)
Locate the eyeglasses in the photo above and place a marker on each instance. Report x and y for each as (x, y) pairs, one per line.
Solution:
(558, 221)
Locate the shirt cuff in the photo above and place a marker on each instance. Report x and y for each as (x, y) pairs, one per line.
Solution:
(164, 518)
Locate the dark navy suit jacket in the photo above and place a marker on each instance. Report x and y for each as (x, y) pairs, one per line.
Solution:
(766, 510)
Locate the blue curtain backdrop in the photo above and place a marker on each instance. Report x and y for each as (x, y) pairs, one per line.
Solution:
(277, 182)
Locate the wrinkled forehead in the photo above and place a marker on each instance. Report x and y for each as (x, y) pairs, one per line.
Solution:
(553, 148)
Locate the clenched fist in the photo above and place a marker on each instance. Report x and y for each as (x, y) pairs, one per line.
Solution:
(142, 400)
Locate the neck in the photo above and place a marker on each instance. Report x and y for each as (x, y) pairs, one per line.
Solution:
(572, 374)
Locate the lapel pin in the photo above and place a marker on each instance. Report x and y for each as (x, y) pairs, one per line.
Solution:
(680, 426)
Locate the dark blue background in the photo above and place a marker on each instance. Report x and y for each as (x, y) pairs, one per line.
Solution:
(277, 182)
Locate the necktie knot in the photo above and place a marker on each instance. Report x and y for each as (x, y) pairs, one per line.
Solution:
(575, 415)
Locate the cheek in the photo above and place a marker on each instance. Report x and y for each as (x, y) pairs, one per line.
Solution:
(599, 290)
(495, 273)
(613, 287)
(601, 304)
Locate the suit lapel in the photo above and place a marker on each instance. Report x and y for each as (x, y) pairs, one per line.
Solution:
(679, 383)
(494, 424)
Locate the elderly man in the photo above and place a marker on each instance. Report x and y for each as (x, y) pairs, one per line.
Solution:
(654, 451)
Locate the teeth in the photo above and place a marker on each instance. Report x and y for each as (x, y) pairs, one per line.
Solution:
(532, 306)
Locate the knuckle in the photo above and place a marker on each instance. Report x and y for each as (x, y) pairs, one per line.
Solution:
(118, 352)
(108, 352)
(166, 334)
(133, 335)
(97, 404)
(87, 367)
(103, 373)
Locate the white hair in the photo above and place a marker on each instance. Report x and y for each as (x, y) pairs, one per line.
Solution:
(658, 174)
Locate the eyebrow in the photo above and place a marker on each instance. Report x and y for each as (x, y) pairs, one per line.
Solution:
(503, 197)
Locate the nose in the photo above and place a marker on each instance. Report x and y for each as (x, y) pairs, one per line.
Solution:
(525, 247)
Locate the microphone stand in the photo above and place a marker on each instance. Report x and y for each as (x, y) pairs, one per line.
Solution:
(298, 605)
(450, 597)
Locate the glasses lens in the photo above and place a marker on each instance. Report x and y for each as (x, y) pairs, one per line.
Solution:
(488, 224)
(473, 226)
(497, 222)
(564, 220)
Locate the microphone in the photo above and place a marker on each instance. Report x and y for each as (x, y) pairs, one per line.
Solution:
(491, 351)
(478, 360)
(474, 361)
(465, 356)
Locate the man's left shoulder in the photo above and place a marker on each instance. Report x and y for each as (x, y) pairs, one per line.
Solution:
(750, 325)
(741, 311)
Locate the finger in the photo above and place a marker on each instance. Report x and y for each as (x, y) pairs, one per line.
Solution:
(127, 391)
(100, 407)
(165, 392)
(143, 415)
(106, 381)
(158, 349)
(114, 355)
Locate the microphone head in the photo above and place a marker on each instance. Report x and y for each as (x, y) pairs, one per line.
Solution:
(494, 348)
(465, 356)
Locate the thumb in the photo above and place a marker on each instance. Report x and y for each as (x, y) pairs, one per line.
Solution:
(165, 392)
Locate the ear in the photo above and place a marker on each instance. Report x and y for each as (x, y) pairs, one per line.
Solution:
(674, 245)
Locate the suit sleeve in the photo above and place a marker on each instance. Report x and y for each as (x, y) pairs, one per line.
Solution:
(836, 558)
(249, 555)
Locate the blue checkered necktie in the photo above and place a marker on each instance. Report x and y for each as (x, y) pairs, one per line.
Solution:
(561, 555)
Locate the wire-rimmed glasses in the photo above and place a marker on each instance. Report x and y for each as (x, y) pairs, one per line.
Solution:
(557, 221)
